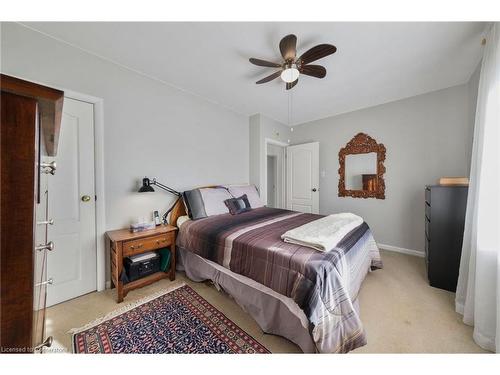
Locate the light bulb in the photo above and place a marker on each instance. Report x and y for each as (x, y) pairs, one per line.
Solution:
(290, 74)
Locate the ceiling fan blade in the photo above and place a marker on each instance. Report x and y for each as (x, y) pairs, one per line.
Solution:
(316, 53)
(269, 78)
(291, 85)
(288, 47)
(260, 62)
(317, 71)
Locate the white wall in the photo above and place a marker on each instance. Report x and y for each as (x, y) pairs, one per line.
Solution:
(472, 90)
(426, 137)
(278, 154)
(271, 180)
(150, 128)
(262, 128)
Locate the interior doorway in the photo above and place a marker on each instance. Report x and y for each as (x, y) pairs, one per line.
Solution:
(275, 174)
(272, 180)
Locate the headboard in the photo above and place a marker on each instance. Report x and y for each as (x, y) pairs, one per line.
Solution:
(180, 209)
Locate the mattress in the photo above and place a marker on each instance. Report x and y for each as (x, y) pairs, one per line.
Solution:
(323, 285)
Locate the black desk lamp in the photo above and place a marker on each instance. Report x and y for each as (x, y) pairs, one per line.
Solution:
(148, 188)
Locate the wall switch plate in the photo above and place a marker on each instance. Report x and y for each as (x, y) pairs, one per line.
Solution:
(323, 174)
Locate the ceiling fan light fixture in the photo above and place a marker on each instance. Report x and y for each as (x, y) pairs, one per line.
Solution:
(291, 66)
(290, 74)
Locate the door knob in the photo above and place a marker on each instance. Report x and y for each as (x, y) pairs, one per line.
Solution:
(85, 198)
(314, 190)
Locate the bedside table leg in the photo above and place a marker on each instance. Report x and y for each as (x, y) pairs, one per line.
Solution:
(119, 292)
(172, 266)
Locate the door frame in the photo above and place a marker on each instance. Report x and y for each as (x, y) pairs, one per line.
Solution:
(100, 202)
(283, 168)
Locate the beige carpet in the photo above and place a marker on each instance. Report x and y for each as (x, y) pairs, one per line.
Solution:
(400, 311)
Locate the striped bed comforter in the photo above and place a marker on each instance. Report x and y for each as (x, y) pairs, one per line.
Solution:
(323, 284)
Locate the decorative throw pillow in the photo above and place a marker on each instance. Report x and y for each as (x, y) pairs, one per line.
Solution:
(206, 202)
(238, 205)
(250, 191)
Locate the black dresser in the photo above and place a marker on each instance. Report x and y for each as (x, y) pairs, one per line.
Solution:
(444, 229)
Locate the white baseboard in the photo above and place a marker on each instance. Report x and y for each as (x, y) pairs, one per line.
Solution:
(402, 250)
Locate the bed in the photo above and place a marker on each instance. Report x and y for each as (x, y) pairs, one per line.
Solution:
(306, 296)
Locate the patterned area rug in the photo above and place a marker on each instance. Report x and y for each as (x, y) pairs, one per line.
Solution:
(180, 321)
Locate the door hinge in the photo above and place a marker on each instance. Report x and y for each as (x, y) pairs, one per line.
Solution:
(95, 197)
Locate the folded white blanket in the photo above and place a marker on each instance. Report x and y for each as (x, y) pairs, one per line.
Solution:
(325, 233)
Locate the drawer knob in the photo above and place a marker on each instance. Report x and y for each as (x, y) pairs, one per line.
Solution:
(47, 282)
(46, 222)
(46, 344)
(48, 246)
(49, 168)
(136, 247)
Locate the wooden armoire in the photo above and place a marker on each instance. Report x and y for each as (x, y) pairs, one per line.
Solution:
(30, 121)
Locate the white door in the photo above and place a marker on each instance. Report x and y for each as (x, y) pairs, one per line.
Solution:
(72, 263)
(302, 188)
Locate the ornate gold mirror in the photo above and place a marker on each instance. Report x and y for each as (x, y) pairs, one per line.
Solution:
(361, 172)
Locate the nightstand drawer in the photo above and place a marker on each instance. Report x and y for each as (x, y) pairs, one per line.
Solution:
(147, 244)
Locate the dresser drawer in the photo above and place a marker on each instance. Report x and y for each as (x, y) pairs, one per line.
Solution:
(427, 228)
(427, 211)
(147, 244)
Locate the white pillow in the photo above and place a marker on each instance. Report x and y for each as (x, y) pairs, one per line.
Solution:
(251, 192)
(214, 198)
(181, 220)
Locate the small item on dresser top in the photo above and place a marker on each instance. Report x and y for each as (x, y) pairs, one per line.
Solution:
(141, 226)
(453, 181)
(323, 234)
(156, 218)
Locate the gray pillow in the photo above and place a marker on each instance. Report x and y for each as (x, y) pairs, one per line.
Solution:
(194, 204)
(206, 202)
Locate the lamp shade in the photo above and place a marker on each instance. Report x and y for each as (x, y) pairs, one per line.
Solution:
(146, 186)
(290, 74)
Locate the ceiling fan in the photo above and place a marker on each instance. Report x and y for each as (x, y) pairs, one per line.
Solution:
(292, 67)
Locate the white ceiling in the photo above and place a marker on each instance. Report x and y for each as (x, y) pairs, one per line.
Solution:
(375, 62)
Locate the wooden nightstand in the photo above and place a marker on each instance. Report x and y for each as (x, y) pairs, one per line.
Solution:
(123, 243)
